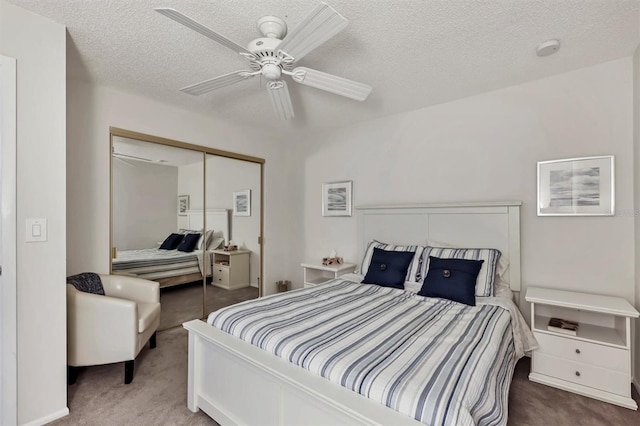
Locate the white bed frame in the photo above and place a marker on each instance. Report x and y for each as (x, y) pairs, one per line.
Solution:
(237, 383)
(217, 219)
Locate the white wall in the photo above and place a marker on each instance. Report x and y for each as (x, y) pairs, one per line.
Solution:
(145, 203)
(92, 109)
(485, 148)
(38, 44)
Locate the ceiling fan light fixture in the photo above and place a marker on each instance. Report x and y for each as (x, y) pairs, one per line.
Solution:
(271, 72)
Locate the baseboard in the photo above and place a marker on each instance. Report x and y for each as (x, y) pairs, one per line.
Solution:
(49, 418)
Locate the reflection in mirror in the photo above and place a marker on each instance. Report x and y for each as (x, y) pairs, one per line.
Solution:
(234, 185)
(157, 229)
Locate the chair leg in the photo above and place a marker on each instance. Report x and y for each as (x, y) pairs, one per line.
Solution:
(72, 374)
(152, 340)
(128, 372)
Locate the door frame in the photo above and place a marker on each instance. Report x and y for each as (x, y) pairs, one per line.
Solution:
(8, 286)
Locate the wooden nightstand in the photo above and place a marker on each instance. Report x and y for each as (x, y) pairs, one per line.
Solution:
(319, 274)
(230, 269)
(596, 362)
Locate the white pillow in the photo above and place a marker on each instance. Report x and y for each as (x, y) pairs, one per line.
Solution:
(501, 269)
(501, 287)
(216, 240)
(487, 274)
(414, 266)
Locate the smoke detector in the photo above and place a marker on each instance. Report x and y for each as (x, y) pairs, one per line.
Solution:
(548, 47)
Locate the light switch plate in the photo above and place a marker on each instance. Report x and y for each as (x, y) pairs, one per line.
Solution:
(36, 230)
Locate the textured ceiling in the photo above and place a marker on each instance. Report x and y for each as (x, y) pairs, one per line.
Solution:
(414, 53)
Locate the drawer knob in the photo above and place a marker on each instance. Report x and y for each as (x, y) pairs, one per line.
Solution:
(578, 373)
(578, 351)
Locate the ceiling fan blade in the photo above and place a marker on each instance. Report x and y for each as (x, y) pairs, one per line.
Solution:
(198, 27)
(331, 83)
(280, 99)
(319, 26)
(217, 82)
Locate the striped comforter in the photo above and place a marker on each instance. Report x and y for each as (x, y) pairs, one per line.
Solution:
(154, 263)
(440, 362)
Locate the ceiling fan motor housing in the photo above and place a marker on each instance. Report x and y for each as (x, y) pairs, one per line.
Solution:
(264, 46)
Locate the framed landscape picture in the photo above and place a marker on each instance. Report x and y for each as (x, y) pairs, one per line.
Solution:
(576, 187)
(242, 203)
(336, 198)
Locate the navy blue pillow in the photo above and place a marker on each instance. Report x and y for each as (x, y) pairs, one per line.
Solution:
(189, 242)
(453, 279)
(171, 242)
(388, 268)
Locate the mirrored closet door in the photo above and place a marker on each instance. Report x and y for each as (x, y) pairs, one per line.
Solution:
(234, 186)
(156, 230)
(188, 217)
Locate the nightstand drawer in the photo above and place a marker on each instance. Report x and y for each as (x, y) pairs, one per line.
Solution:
(583, 374)
(583, 352)
(221, 275)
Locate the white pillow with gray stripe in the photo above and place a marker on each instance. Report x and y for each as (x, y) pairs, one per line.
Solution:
(414, 266)
(486, 276)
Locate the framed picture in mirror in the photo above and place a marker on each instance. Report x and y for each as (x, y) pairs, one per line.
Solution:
(183, 205)
(242, 203)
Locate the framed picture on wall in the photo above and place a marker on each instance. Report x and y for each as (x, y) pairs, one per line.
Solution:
(576, 187)
(242, 203)
(183, 205)
(336, 198)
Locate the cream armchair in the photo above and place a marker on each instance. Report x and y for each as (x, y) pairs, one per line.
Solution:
(114, 327)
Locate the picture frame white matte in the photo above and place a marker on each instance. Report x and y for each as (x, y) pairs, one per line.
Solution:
(336, 198)
(242, 203)
(577, 187)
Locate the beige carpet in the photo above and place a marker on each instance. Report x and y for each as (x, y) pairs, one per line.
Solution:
(184, 302)
(157, 395)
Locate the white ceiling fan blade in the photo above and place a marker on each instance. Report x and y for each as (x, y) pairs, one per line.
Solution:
(280, 99)
(198, 27)
(319, 26)
(331, 83)
(217, 82)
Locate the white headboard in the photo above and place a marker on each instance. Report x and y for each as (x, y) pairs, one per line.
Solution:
(217, 219)
(477, 225)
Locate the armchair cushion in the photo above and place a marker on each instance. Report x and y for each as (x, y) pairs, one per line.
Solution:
(147, 313)
(87, 282)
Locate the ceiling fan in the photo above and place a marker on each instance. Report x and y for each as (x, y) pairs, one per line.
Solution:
(273, 56)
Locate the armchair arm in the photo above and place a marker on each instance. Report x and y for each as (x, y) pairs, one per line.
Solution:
(131, 288)
(101, 329)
